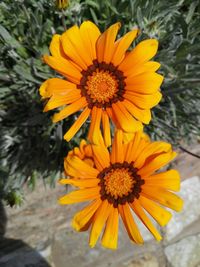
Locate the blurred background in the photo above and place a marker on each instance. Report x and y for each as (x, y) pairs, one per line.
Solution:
(32, 147)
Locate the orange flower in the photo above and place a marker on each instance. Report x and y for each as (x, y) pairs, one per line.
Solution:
(62, 4)
(84, 152)
(121, 182)
(102, 79)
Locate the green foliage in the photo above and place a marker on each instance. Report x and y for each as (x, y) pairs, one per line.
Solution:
(31, 146)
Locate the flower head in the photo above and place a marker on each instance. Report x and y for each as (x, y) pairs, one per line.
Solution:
(119, 183)
(102, 79)
(62, 4)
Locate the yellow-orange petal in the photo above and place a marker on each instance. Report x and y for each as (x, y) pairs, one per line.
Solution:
(82, 183)
(77, 124)
(84, 216)
(128, 137)
(161, 215)
(64, 67)
(56, 86)
(92, 124)
(143, 115)
(129, 223)
(151, 149)
(143, 52)
(105, 44)
(146, 221)
(143, 101)
(132, 146)
(82, 169)
(169, 180)
(76, 151)
(162, 196)
(150, 66)
(142, 145)
(70, 109)
(60, 100)
(138, 145)
(145, 83)
(110, 235)
(106, 129)
(128, 152)
(117, 153)
(125, 119)
(80, 196)
(88, 151)
(122, 45)
(157, 163)
(94, 135)
(99, 221)
(101, 156)
(90, 33)
(56, 47)
(82, 145)
(74, 47)
(71, 171)
(112, 116)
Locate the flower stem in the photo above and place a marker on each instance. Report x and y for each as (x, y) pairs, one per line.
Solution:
(63, 20)
(190, 153)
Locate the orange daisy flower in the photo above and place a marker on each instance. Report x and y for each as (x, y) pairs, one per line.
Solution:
(121, 182)
(102, 79)
(62, 4)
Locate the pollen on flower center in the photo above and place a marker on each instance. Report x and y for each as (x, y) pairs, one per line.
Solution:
(120, 183)
(102, 84)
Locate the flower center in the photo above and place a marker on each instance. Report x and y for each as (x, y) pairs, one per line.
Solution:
(120, 183)
(101, 87)
(102, 84)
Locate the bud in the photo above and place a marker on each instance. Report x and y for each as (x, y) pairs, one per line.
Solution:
(62, 4)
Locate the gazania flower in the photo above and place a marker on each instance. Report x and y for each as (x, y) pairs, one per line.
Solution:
(102, 79)
(84, 152)
(120, 183)
(62, 4)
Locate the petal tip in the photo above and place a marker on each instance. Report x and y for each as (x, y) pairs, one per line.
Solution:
(65, 137)
(91, 244)
(75, 225)
(159, 238)
(60, 201)
(62, 181)
(109, 246)
(180, 205)
(54, 118)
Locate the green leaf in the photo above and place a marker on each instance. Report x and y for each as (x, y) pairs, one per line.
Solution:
(190, 14)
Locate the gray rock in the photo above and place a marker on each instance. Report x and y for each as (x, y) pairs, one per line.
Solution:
(147, 260)
(185, 253)
(190, 193)
(146, 234)
(71, 249)
(15, 253)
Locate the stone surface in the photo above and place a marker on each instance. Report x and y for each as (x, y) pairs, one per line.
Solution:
(16, 253)
(190, 193)
(187, 165)
(71, 249)
(185, 253)
(147, 236)
(147, 260)
(38, 217)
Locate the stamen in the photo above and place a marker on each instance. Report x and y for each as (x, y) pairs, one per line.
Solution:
(102, 84)
(120, 183)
